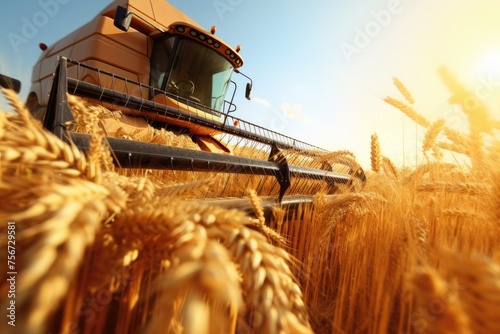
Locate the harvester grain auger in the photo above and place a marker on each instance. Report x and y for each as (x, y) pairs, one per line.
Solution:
(160, 68)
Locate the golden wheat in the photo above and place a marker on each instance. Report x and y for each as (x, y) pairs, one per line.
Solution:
(375, 155)
(430, 138)
(389, 166)
(408, 111)
(420, 236)
(257, 206)
(477, 278)
(260, 223)
(62, 223)
(452, 187)
(105, 249)
(495, 203)
(403, 90)
(440, 311)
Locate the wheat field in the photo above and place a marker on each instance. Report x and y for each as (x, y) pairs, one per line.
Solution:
(101, 249)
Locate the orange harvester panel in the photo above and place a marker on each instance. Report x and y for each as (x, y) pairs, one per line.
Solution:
(102, 45)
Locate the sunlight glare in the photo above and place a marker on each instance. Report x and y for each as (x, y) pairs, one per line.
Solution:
(489, 64)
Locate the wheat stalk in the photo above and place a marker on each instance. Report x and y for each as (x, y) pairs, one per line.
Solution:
(420, 236)
(35, 144)
(343, 154)
(200, 269)
(259, 262)
(256, 205)
(454, 148)
(408, 111)
(454, 136)
(186, 266)
(389, 166)
(54, 247)
(477, 151)
(186, 190)
(88, 117)
(259, 224)
(495, 203)
(274, 237)
(107, 257)
(403, 90)
(32, 145)
(271, 293)
(375, 156)
(452, 187)
(19, 108)
(459, 213)
(477, 278)
(447, 314)
(431, 136)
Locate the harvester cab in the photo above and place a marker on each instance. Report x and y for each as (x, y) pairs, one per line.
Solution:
(162, 69)
(188, 62)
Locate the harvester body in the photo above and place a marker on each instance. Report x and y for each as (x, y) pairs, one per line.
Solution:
(162, 69)
(161, 48)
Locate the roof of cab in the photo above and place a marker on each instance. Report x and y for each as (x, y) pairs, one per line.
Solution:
(160, 12)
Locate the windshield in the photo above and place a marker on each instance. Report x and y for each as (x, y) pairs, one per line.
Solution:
(197, 73)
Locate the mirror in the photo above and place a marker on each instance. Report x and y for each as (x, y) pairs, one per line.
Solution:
(248, 91)
(10, 83)
(122, 18)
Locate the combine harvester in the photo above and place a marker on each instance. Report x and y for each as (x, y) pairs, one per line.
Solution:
(161, 69)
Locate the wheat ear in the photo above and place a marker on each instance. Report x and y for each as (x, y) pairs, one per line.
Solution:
(201, 270)
(431, 136)
(256, 205)
(408, 111)
(465, 188)
(389, 167)
(29, 144)
(20, 108)
(403, 90)
(375, 155)
(54, 247)
(495, 203)
(448, 314)
(270, 291)
(478, 289)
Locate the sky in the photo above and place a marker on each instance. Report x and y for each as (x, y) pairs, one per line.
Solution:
(320, 69)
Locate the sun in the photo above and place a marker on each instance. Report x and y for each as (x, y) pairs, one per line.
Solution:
(487, 80)
(488, 65)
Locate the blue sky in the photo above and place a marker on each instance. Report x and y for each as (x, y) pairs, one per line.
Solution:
(320, 69)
